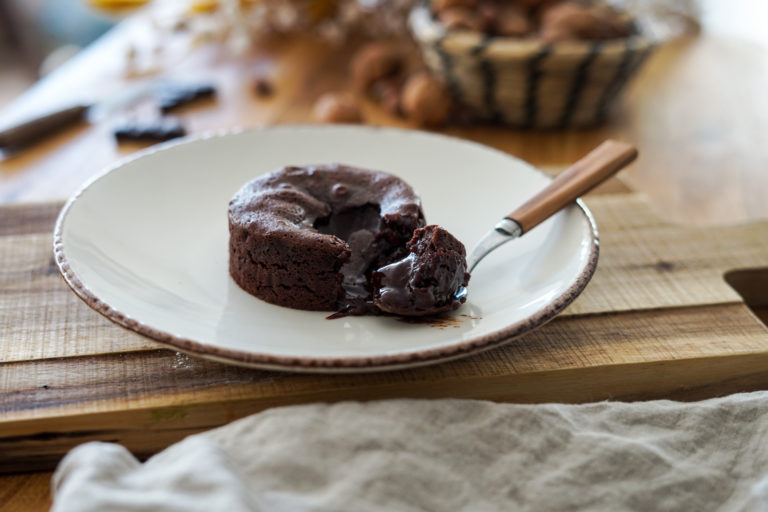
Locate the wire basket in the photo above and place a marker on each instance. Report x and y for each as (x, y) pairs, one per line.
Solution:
(526, 82)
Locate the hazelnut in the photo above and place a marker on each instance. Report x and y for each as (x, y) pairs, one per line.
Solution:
(614, 24)
(555, 34)
(440, 5)
(512, 21)
(337, 108)
(488, 10)
(386, 92)
(534, 4)
(461, 18)
(425, 100)
(570, 20)
(373, 62)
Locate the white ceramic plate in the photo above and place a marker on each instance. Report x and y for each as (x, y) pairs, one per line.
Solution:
(146, 245)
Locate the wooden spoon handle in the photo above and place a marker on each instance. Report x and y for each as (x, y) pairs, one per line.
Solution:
(600, 164)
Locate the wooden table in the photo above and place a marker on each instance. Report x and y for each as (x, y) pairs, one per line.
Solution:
(697, 111)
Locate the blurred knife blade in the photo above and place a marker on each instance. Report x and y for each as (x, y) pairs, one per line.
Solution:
(33, 128)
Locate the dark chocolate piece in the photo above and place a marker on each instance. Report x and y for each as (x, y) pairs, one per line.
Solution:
(165, 128)
(171, 96)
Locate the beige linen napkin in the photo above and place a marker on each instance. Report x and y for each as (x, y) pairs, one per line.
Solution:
(408, 455)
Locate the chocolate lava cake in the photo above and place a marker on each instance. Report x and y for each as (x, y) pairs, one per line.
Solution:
(305, 237)
(312, 237)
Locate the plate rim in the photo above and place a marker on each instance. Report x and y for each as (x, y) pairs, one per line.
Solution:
(341, 364)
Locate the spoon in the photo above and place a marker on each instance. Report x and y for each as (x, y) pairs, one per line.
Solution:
(600, 164)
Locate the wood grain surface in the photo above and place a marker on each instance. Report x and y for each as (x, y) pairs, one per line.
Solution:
(658, 320)
(697, 112)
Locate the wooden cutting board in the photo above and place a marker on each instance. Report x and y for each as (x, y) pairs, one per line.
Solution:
(659, 319)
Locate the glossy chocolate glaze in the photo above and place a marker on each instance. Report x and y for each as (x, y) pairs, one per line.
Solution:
(425, 281)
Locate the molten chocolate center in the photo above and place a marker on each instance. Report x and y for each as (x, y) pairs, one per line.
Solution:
(420, 278)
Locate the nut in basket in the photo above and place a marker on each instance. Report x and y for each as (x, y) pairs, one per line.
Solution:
(531, 82)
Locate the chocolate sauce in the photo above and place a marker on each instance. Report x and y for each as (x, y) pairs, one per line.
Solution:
(361, 228)
(346, 222)
(424, 282)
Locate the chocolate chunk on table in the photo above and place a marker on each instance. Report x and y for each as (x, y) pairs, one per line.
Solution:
(172, 96)
(150, 131)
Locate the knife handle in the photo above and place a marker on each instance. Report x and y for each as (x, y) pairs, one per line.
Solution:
(30, 130)
(599, 165)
